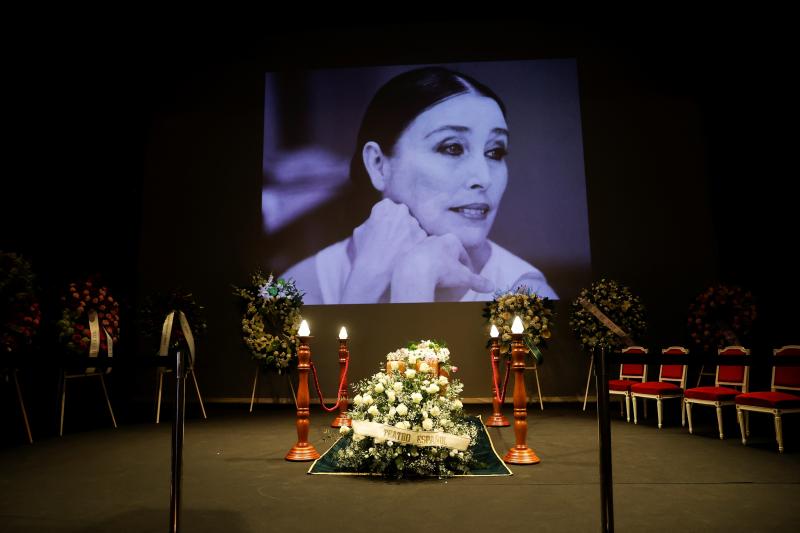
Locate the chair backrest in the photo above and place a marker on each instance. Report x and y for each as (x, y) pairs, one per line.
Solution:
(633, 370)
(733, 375)
(786, 377)
(674, 373)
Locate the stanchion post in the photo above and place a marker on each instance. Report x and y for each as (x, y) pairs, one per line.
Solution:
(344, 354)
(497, 420)
(520, 454)
(177, 444)
(604, 430)
(303, 450)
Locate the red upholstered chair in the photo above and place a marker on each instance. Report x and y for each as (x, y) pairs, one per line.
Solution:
(719, 396)
(670, 384)
(775, 401)
(629, 374)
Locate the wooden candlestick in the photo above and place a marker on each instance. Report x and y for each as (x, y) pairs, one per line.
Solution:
(497, 420)
(520, 454)
(303, 450)
(342, 419)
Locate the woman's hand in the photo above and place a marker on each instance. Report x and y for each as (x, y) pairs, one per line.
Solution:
(377, 246)
(435, 262)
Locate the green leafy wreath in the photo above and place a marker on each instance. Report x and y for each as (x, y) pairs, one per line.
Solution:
(536, 313)
(615, 301)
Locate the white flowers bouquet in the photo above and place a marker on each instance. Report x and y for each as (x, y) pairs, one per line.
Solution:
(408, 419)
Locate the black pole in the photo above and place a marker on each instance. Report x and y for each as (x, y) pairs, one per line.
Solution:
(604, 427)
(177, 445)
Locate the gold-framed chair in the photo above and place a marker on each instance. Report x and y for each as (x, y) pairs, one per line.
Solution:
(629, 374)
(730, 381)
(776, 401)
(670, 385)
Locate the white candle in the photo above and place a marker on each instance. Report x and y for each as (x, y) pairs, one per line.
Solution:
(343, 333)
(304, 330)
(517, 327)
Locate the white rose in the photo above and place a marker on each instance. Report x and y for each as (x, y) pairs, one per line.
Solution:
(416, 397)
(402, 410)
(394, 365)
(424, 367)
(443, 380)
(398, 386)
(412, 359)
(344, 430)
(390, 395)
(457, 404)
(358, 400)
(392, 411)
(368, 399)
(410, 373)
(435, 411)
(427, 424)
(424, 414)
(378, 388)
(433, 388)
(373, 410)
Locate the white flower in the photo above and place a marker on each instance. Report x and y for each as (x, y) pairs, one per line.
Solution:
(344, 430)
(410, 373)
(412, 359)
(416, 397)
(398, 386)
(357, 437)
(378, 388)
(427, 424)
(457, 404)
(368, 399)
(379, 440)
(433, 388)
(373, 410)
(424, 367)
(443, 399)
(392, 411)
(435, 411)
(424, 414)
(402, 410)
(443, 380)
(358, 401)
(394, 365)
(390, 395)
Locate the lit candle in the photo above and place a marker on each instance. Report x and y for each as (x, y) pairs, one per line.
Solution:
(517, 327)
(343, 334)
(493, 333)
(304, 330)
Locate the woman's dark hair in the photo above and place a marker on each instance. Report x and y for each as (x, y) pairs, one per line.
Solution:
(400, 100)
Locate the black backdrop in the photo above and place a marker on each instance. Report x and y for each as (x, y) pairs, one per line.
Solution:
(137, 155)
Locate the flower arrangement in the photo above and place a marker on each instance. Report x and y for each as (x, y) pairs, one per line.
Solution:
(20, 315)
(158, 305)
(536, 314)
(271, 319)
(615, 301)
(722, 315)
(73, 328)
(409, 395)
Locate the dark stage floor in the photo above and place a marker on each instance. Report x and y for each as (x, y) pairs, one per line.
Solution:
(236, 480)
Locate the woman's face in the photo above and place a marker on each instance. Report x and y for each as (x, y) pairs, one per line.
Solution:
(449, 167)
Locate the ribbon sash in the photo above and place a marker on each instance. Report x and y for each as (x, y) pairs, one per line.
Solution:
(406, 436)
(94, 340)
(607, 322)
(166, 334)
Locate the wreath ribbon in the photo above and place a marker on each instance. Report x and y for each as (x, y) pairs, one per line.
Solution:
(166, 333)
(94, 340)
(607, 322)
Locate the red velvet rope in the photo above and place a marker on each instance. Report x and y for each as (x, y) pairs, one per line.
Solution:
(502, 396)
(341, 386)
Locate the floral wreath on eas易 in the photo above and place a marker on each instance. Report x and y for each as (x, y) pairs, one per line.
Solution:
(271, 319)
(536, 313)
(616, 302)
(82, 299)
(158, 305)
(20, 315)
(412, 394)
(722, 315)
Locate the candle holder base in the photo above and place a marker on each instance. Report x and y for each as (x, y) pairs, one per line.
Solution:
(497, 421)
(302, 451)
(341, 420)
(521, 455)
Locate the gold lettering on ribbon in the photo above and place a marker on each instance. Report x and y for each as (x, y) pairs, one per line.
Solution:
(406, 436)
(607, 322)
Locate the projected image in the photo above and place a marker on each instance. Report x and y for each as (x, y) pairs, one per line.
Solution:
(422, 184)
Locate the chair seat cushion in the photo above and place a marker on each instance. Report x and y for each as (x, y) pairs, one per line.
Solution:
(656, 388)
(714, 394)
(621, 385)
(775, 400)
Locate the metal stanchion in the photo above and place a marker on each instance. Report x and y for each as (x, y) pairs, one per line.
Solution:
(604, 427)
(177, 444)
